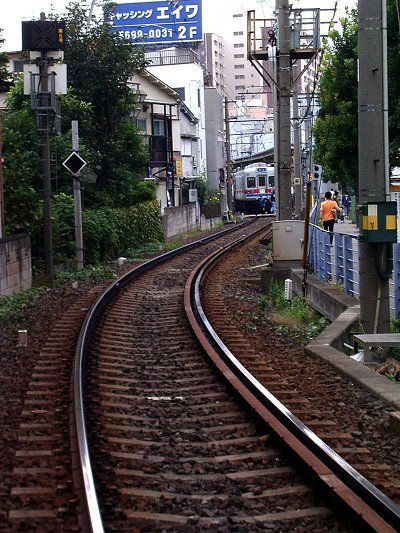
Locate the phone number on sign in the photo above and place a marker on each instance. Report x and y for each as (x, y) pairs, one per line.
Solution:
(159, 33)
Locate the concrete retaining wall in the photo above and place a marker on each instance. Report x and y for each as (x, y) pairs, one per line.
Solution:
(178, 220)
(183, 219)
(15, 264)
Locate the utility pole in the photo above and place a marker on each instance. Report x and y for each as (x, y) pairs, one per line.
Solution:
(90, 14)
(284, 160)
(298, 182)
(228, 158)
(2, 222)
(375, 257)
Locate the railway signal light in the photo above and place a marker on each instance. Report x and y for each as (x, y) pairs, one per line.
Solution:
(317, 172)
(43, 35)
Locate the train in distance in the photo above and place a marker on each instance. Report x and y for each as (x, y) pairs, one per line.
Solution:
(254, 188)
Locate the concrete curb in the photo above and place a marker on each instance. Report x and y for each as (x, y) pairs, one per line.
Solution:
(326, 345)
(343, 312)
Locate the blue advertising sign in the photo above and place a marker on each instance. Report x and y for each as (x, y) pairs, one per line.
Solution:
(158, 21)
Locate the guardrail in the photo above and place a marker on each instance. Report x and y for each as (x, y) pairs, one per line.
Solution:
(340, 263)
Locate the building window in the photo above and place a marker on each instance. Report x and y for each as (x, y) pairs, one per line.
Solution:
(237, 15)
(238, 56)
(239, 77)
(239, 66)
(141, 123)
(239, 87)
(235, 33)
(238, 45)
(19, 65)
(159, 126)
(181, 92)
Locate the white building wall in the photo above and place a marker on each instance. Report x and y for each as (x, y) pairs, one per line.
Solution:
(229, 20)
(190, 77)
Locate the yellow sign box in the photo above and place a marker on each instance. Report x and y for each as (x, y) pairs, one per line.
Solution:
(178, 167)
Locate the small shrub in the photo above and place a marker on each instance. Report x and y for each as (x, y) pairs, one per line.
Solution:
(295, 318)
(395, 328)
(263, 301)
(10, 305)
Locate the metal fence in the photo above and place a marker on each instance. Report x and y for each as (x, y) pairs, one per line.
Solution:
(340, 263)
(337, 263)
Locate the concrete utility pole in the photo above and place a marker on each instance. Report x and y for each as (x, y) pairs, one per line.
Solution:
(2, 223)
(284, 161)
(375, 264)
(228, 158)
(298, 182)
(77, 202)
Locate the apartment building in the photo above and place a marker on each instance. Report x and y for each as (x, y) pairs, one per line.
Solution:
(212, 58)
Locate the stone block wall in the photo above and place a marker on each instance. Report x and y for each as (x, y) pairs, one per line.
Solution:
(15, 264)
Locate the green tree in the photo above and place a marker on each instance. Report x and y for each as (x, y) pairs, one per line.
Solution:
(23, 203)
(100, 65)
(336, 126)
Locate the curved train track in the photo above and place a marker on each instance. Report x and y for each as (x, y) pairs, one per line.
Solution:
(170, 445)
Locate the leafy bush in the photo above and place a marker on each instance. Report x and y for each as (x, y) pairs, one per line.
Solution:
(63, 228)
(107, 233)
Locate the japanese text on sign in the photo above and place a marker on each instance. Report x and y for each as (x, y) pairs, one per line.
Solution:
(158, 21)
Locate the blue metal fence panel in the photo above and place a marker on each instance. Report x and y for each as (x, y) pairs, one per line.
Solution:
(337, 262)
(345, 268)
(340, 262)
(396, 279)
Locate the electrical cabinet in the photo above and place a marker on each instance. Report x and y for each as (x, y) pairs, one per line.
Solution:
(287, 240)
(379, 221)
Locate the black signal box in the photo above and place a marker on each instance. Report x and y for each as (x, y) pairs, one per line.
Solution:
(43, 35)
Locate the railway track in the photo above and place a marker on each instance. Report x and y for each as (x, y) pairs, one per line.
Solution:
(171, 447)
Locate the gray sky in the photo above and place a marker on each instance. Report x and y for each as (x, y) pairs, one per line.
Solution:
(13, 12)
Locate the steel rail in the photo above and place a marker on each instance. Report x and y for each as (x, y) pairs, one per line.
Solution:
(362, 497)
(90, 513)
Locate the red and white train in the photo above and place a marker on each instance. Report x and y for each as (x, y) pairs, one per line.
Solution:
(251, 184)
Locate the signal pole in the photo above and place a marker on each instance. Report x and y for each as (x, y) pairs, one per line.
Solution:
(43, 126)
(43, 37)
(375, 258)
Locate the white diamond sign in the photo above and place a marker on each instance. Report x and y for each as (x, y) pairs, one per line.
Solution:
(74, 163)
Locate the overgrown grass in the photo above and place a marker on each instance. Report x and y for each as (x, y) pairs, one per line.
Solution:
(296, 318)
(11, 305)
(91, 273)
(144, 251)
